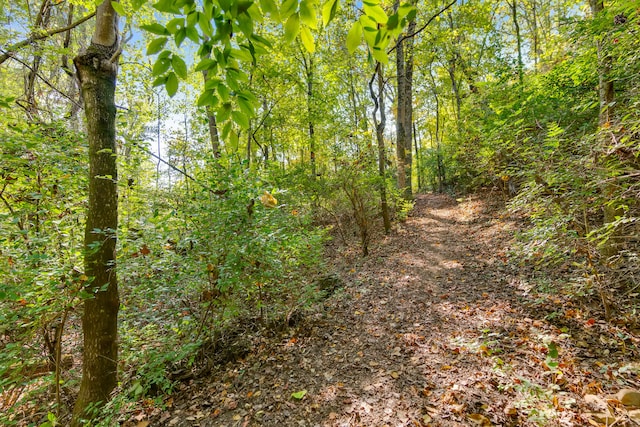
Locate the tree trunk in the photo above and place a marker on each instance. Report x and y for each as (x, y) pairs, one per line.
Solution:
(382, 160)
(514, 15)
(408, 110)
(312, 139)
(606, 96)
(97, 71)
(211, 120)
(404, 117)
(400, 112)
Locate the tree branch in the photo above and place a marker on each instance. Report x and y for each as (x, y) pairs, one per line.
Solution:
(8, 53)
(421, 29)
(45, 81)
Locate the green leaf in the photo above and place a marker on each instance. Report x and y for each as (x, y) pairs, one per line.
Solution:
(171, 84)
(156, 45)
(269, 6)
(393, 21)
(299, 394)
(329, 11)
(207, 98)
(205, 25)
(242, 55)
(223, 112)
(206, 64)
(118, 8)
(166, 6)
(225, 130)
(245, 23)
(192, 18)
(262, 40)
(553, 350)
(137, 4)
(155, 29)
(192, 34)
(380, 55)
(307, 39)
(175, 24)
(240, 119)
(223, 91)
(288, 8)
(159, 81)
(354, 37)
(234, 139)
(404, 10)
(161, 66)
(179, 66)
(180, 36)
(376, 12)
(291, 28)
(308, 14)
(246, 106)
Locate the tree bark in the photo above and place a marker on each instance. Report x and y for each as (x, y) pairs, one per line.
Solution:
(308, 65)
(606, 96)
(378, 103)
(97, 72)
(404, 116)
(513, 5)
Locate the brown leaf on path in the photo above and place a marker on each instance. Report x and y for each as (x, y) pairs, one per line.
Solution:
(480, 420)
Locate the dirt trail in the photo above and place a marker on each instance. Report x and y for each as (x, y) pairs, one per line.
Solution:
(433, 328)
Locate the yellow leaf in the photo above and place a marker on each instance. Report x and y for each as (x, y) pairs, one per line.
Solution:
(268, 200)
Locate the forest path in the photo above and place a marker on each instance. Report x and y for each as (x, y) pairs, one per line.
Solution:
(434, 327)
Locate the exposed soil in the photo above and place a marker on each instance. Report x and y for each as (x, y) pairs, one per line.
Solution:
(437, 326)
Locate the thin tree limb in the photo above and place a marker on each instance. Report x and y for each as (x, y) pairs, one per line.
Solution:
(421, 29)
(45, 81)
(175, 168)
(8, 53)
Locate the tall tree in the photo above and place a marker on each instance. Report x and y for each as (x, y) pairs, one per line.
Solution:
(404, 117)
(513, 7)
(97, 71)
(378, 102)
(606, 96)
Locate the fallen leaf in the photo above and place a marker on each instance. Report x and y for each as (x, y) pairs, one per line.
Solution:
(629, 397)
(595, 403)
(299, 394)
(480, 420)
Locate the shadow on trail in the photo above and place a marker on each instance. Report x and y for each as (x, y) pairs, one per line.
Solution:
(430, 329)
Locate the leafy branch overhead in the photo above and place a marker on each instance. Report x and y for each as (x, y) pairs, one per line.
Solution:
(229, 43)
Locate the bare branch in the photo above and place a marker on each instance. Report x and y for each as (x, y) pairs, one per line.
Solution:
(9, 51)
(421, 29)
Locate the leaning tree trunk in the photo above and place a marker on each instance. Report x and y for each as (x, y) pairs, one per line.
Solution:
(97, 70)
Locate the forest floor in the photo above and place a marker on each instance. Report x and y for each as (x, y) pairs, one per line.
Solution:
(437, 326)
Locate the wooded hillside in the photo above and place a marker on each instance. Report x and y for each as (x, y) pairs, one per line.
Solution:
(174, 173)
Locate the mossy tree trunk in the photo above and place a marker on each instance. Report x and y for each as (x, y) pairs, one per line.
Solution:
(97, 71)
